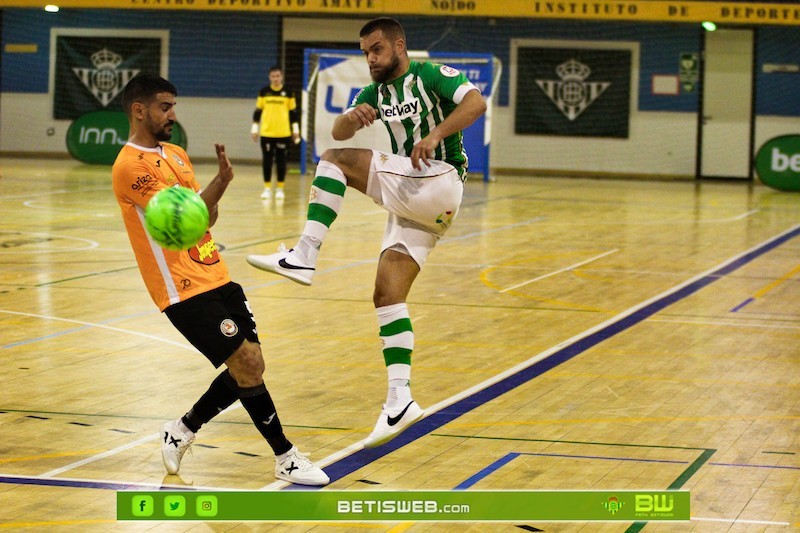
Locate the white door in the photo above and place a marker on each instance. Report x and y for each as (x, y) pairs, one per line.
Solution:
(726, 131)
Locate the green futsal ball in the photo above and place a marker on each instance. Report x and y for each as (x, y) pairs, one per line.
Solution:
(176, 218)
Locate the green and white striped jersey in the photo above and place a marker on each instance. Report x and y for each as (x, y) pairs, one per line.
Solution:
(416, 102)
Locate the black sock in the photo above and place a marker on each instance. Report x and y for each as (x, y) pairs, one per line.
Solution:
(219, 396)
(259, 406)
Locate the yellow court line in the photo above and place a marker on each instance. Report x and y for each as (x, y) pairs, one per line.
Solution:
(47, 456)
(399, 528)
(623, 420)
(777, 282)
(621, 377)
(49, 523)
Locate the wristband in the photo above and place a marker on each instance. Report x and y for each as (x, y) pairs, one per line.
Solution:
(254, 128)
(295, 128)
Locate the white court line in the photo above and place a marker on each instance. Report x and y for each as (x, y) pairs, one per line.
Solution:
(739, 521)
(102, 326)
(51, 193)
(510, 371)
(92, 244)
(99, 456)
(114, 451)
(31, 195)
(735, 218)
(565, 269)
(494, 230)
(745, 215)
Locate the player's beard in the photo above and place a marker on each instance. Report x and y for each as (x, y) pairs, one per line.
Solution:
(384, 74)
(163, 134)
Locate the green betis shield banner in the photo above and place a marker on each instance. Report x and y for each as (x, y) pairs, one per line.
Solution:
(91, 71)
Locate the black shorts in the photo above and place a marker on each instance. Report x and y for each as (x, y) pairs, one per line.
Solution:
(216, 322)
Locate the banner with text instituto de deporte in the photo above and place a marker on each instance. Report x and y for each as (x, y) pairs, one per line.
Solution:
(600, 10)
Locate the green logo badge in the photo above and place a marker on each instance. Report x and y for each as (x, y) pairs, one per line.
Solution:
(96, 137)
(613, 505)
(778, 163)
(174, 506)
(142, 506)
(207, 505)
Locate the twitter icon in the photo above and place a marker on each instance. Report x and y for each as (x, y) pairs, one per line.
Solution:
(174, 505)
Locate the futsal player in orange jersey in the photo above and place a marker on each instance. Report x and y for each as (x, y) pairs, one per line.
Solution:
(193, 287)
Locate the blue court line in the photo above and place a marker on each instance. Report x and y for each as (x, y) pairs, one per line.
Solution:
(435, 421)
(744, 303)
(485, 472)
(74, 483)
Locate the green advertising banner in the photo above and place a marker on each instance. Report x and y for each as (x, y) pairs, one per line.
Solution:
(97, 137)
(391, 506)
(778, 163)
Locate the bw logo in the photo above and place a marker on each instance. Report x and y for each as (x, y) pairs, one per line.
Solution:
(572, 95)
(105, 80)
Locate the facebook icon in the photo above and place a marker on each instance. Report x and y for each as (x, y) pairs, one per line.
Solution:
(142, 506)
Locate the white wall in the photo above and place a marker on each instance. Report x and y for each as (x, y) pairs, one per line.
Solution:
(768, 127)
(660, 144)
(26, 123)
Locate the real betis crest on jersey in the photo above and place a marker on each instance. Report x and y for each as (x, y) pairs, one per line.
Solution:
(412, 105)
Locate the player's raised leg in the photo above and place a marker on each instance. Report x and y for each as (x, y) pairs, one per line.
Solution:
(336, 170)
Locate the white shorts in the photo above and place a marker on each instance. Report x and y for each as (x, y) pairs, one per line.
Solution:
(421, 203)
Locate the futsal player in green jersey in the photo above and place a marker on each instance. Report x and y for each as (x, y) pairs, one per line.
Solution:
(424, 107)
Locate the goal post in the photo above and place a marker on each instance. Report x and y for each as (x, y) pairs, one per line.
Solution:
(331, 78)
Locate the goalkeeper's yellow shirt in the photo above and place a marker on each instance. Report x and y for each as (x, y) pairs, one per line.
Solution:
(170, 276)
(275, 112)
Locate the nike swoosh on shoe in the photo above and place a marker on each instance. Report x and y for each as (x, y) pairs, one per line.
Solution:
(283, 264)
(393, 420)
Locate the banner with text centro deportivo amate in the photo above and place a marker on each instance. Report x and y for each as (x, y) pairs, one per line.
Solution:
(336, 77)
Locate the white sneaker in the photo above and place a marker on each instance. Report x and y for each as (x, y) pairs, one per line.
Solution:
(267, 194)
(297, 468)
(174, 444)
(279, 195)
(389, 426)
(285, 263)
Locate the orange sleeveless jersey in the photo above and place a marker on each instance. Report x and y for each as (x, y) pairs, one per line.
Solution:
(170, 276)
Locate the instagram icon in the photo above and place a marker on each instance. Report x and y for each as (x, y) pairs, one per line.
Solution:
(207, 505)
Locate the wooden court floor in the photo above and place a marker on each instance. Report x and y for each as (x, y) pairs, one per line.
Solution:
(570, 334)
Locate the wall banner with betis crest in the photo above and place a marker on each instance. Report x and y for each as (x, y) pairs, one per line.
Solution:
(91, 70)
(574, 91)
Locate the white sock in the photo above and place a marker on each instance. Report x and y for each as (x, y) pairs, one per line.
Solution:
(399, 392)
(183, 429)
(307, 249)
(283, 456)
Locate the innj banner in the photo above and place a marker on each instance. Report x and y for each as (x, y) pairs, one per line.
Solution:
(91, 71)
(573, 92)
